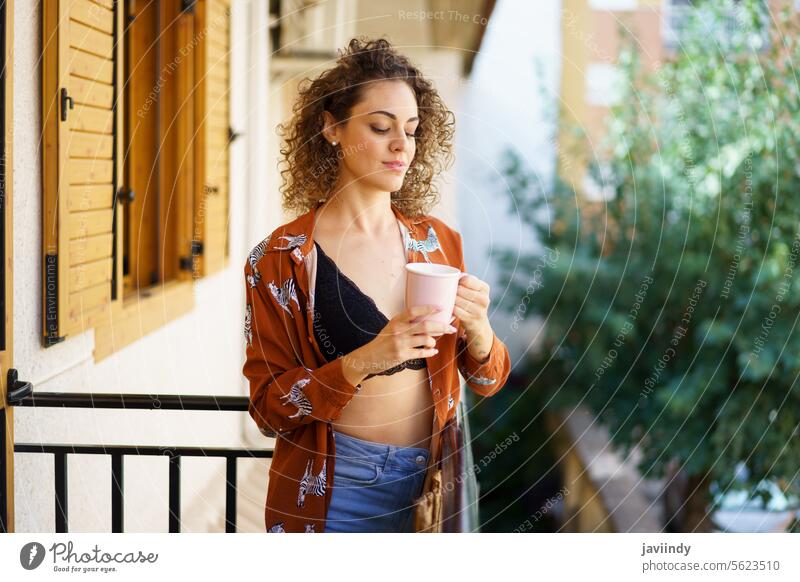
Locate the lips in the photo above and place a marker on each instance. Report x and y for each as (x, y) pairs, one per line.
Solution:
(394, 165)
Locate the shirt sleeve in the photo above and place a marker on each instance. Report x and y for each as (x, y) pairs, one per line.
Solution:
(283, 395)
(486, 377)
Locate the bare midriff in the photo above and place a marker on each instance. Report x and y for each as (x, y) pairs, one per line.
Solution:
(396, 409)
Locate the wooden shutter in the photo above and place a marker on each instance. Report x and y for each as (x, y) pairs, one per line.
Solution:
(80, 169)
(213, 110)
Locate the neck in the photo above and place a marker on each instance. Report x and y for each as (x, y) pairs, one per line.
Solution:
(357, 212)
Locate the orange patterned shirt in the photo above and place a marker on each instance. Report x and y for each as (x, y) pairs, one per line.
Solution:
(295, 393)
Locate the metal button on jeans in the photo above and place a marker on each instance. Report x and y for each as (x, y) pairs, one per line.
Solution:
(420, 459)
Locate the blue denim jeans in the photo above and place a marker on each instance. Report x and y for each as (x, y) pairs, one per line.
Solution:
(374, 486)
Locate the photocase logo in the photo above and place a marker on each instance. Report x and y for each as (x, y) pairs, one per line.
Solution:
(66, 559)
(31, 555)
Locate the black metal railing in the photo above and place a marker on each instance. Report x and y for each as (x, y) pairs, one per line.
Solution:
(119, 452)
(22, 394)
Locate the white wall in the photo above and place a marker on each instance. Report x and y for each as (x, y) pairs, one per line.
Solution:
(504, 106)
(200, 353)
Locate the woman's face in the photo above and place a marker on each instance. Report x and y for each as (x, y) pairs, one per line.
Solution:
(379, 132)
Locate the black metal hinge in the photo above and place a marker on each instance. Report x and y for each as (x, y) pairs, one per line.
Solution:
(233, 135)
(126, 195)
(66, 101)
(187, 263)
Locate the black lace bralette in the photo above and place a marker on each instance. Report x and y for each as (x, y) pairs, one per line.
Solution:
(345, 318)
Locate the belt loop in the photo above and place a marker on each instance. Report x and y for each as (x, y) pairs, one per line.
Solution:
(390, 454)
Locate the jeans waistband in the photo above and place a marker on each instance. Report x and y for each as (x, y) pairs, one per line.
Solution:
(382, 454)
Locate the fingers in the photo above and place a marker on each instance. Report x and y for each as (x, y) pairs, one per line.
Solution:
(426, 330)
(427, 342)
(477, 295)
(480, 300)
(425, 350)
(471, 282)
(423, 309)
(417, 310)
(429, 327)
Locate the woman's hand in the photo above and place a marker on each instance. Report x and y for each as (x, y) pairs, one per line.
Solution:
(472, 304)
(402, 338)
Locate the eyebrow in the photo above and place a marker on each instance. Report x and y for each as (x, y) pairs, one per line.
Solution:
(393, 116)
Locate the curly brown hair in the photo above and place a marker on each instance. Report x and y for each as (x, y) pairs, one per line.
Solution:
(337, 90)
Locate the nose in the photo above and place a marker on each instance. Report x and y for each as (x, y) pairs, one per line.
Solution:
(400, 143)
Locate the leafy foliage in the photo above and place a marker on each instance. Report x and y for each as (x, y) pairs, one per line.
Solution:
(671, 307)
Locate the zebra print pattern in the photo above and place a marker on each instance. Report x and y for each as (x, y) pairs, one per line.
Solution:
(461, 346)
(312, 484)
(426, 246)
(310, 528)
(298, 398)
(277, 528)
(248, 325)
(480, 380)
(268, 432)
(294, 241)
(284, 294)
(255, 256)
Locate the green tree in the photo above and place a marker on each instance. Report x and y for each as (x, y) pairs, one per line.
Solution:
(672, 309)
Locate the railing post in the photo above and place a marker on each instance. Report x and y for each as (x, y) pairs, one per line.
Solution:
(174, 493)
(230, 495)
(61, 492)
(117, 495)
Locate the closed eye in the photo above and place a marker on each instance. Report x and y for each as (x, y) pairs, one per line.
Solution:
(378, 130)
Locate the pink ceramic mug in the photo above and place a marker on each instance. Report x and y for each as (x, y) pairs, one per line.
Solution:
(432, 284)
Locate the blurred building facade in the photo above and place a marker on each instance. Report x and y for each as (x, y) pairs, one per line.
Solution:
(591, 33)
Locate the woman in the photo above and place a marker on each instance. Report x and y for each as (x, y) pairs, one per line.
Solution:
(355, 387)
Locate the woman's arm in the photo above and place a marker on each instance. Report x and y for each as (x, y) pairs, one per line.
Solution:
(482, 358)
(283, 395)
(484, 377)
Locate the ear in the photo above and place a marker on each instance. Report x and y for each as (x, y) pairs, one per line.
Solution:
(329, 127)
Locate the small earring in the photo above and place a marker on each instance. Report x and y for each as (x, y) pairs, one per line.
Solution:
(333, 143)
